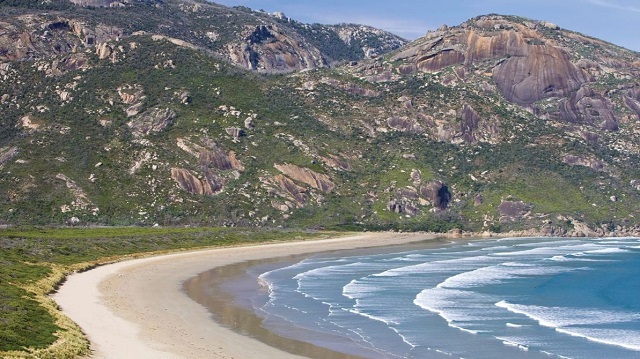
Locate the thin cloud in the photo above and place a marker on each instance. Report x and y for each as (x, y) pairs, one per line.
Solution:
(407, 28)
(401, 27)
(615, 5)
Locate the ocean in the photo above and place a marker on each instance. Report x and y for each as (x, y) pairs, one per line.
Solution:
(490, 298)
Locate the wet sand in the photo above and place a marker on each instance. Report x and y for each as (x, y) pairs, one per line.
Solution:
(139, 308)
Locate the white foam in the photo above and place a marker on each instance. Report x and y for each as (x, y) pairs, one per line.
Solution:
(384, 320)
(459, 308)
(513, 342)
(497, 274)
(441, 265)
(607, 251)
(628, 339)
(404, 338)
(550, 250)
(511, 325)
(573, 321)
(575, 257)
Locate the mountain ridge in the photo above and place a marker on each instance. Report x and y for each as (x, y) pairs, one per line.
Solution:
(502, 123)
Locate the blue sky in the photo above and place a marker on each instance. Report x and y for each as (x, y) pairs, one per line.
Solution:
(616, 21)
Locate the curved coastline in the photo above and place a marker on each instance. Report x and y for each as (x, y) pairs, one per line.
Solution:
(139, 309)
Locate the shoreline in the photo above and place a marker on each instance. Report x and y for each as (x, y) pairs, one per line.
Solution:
(138, 308)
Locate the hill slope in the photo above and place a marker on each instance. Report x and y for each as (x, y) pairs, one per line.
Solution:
(500, 123)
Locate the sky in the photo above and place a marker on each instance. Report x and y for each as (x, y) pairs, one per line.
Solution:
(616, 21)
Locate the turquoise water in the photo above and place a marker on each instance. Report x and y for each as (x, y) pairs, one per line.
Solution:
(502, 298)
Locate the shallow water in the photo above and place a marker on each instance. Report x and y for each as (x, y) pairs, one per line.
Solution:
(525, 298)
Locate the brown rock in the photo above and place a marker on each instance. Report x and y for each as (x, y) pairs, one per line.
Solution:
(404, 124)
(631, 99)
(154, 120)
(7, 154)
(437, 193)
(512, 210)
(192, 184)
(542, 71)
(103, 51)
(235, 132)
(268, 48)
(527, 70)
(588, 107)
(292, 190)
(215, 157)
(594, 164)
(440, 60)
(315, 180)
(336, 162)
(469, 121)
(477, 199)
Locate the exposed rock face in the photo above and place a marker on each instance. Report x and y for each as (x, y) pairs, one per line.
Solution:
(210, 155)
(631, 99)
(437, 193)
(7, 154)
(336, 163)
(469, 121)
(513, 210)
(210, 185)
(38, 36)
(217, 158)
(594, 164)
(291, 191)
(132, 97)
(104, 51)
(404, 124)
(270, 49)
(154, 120)
(216, 165)
(408, 200)
(28, 123)
(526, 71)
(402, 207)
(586, 106)
(477, 200)
(542, 71)
(234, 132)
(318, 181)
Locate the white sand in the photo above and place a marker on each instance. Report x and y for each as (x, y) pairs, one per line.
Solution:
(136, 308)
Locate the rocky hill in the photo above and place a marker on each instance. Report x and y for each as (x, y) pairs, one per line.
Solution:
(186, 112)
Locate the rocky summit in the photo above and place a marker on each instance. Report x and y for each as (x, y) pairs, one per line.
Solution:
(177, 112)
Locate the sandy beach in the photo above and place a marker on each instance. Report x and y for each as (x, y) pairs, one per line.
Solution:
(138, 309)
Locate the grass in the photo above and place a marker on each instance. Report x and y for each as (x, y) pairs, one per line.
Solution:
(36, 260)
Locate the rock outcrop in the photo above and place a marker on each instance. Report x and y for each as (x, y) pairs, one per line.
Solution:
(271, 49)
(511, 210)
(209, 185)
(154, 120)
(526, 68)
(290, 190)
(437, 193)
(7, 153)
(315, 180)
(39, 36)
(632, 100)
(404, 124)
(586, 106)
